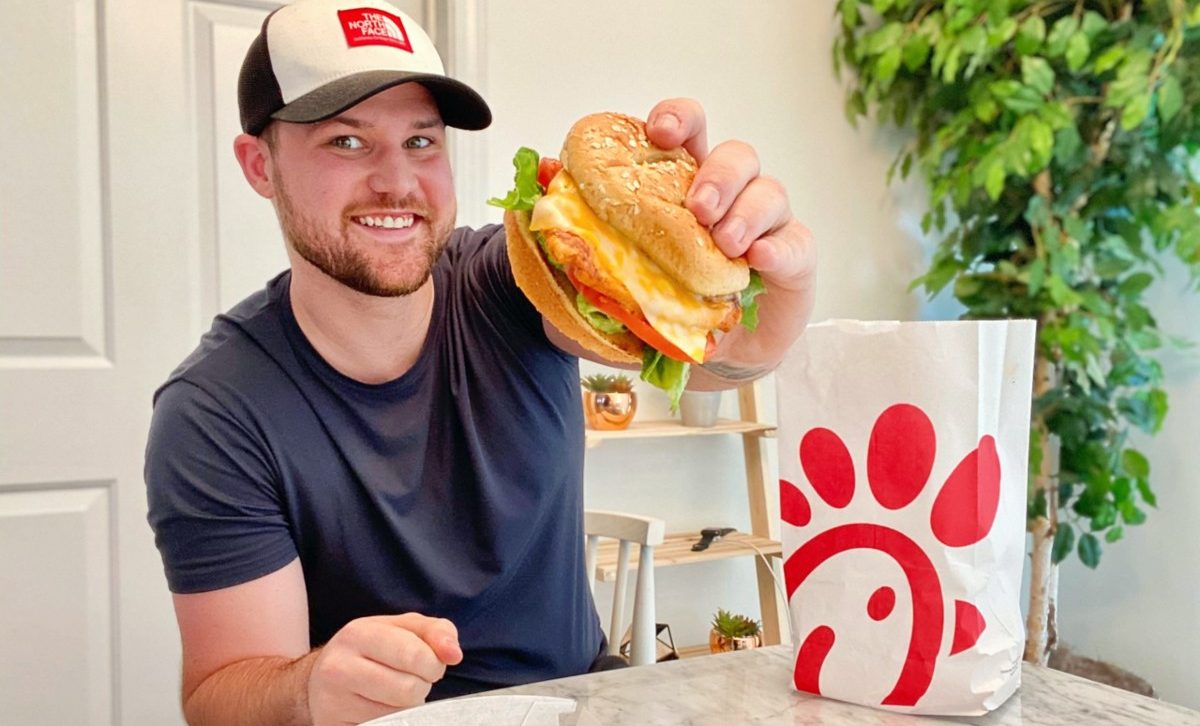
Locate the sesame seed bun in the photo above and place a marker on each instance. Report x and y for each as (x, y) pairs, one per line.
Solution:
(639, 189)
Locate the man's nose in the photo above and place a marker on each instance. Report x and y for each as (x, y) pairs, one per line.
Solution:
(392, 175)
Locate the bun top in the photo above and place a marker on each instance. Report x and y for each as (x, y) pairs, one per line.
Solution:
(639, 189)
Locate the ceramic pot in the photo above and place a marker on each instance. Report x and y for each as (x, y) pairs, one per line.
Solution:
(718, 643)
(609, 411)
(699, 408)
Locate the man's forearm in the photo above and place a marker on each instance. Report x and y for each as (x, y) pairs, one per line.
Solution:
(268, 690)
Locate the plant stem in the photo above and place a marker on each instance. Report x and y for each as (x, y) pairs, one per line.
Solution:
(1041, 627)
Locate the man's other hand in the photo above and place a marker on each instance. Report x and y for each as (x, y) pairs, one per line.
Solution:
(377, 665)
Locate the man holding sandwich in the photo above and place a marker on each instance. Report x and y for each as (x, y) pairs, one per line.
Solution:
(347, 478)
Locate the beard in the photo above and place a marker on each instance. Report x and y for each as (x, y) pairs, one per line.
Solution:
(393, 271)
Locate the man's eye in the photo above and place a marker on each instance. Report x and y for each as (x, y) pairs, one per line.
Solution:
(350, 143)
(419, 142)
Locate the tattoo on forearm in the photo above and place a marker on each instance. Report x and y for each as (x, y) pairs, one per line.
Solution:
(738, 374)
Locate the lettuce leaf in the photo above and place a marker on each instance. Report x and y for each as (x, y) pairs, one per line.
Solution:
(526, 190)
(662, 372)
(749, 304)
(596, 318)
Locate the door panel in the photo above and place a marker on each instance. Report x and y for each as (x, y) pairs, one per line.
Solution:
(58, 664)
(52, 279)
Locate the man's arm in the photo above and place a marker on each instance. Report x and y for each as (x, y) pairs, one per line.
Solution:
(246, 658)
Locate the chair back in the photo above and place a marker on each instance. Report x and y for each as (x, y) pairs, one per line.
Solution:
(628, 530)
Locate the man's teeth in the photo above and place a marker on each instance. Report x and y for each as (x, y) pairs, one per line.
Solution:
(404, 220)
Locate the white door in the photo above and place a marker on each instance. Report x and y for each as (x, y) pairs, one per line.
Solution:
(124, 226)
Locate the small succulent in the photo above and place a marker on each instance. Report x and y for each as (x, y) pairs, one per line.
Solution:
(734, 626)
(607, 383)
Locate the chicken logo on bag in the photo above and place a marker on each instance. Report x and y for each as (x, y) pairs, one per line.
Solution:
(900, 459)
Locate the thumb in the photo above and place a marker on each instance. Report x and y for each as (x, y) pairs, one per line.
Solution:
(438, 633)
(447, 650)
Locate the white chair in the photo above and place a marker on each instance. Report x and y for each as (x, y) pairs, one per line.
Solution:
(627, 529)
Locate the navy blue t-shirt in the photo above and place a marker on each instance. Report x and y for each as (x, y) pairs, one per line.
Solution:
(454, 491)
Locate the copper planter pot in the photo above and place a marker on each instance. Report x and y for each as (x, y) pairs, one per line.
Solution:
(718, 643)
(609, 411)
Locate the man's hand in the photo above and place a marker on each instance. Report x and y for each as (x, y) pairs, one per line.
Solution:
(748, 213)
(749, 217)
(377, 665)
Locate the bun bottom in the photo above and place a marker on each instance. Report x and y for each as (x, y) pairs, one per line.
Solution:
(554, 297)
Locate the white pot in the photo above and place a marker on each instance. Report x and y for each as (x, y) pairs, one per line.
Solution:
(699, 408)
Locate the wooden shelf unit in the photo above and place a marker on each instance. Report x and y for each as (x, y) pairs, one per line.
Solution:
(670, 427)
(676, 549)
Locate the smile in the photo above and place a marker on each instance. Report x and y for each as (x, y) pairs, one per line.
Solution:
(399, 221)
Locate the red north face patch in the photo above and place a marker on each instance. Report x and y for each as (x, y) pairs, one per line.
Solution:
(368, 26)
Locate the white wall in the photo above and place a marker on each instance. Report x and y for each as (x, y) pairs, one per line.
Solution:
(766, 77)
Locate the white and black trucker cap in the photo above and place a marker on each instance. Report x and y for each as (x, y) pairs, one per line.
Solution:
(316, 58)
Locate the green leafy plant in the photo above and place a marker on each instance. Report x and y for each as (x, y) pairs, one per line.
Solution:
(1058, 140)
(607, 383)
(734, 626)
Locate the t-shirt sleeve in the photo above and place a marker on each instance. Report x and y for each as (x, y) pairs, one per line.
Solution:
(489, 280)
(215, 511)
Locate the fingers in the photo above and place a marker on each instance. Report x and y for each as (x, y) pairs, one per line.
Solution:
(376, 665)
(787, 256)
(366, 680)
(760, 208)
(380, 684)
(679, 122)
(438, 633)
(720, 179)
(399, 649)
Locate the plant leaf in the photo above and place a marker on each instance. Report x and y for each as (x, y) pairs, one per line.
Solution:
(1078, 50)
(1037, 74)
(1030, 35)
(1089, 550)
(1170, 98)
(1064, 540)
(1135, 464)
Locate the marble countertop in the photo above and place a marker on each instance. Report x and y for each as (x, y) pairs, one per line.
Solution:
(753, 687)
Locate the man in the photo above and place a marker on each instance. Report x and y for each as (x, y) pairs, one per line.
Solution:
(366, 482)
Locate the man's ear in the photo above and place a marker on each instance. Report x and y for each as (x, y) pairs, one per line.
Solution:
(254, 158)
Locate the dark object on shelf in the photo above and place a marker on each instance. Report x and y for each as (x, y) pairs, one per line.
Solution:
(664, 645)
(708, 535)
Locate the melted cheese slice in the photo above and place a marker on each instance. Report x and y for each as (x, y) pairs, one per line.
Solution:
(677, 313)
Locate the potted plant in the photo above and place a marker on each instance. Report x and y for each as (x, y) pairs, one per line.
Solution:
(609, 401)
(733, 632)
(1055, 139)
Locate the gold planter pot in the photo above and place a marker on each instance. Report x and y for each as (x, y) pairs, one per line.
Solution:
(609, 411)
(718, 643)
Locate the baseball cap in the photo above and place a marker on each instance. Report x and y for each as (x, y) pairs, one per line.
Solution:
(315, 58)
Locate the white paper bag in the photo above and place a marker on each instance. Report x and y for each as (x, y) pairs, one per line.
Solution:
(903, 456)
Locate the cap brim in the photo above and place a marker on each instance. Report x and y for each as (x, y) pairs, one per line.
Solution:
(459, 104)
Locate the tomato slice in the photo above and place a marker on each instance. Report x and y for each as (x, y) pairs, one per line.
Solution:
(548, 167)
(636, 322)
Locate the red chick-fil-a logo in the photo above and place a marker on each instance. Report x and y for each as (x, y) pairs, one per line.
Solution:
(900, 460)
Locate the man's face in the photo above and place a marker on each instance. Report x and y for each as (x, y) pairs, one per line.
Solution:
(367, 197)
